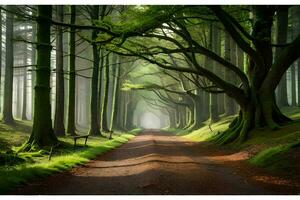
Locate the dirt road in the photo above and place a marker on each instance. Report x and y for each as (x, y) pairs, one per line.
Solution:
(153, 162)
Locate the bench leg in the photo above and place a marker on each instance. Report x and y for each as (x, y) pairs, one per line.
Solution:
(85, 141)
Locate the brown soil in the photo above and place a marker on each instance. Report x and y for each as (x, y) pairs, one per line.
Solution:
(156, 162)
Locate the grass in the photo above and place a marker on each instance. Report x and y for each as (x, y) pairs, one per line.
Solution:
(273, 145)
(36, 164)
(273, 158)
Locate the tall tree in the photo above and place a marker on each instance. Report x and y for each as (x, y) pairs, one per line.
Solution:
(1, 22)
(215, 46)
(59, 127)
(229, 102)
(72, 75)
(295, 13)
(94, 114)
(115, 91)
(104, 112)
(24, 106)
(281, 38)
(9, 63)
(42, 132)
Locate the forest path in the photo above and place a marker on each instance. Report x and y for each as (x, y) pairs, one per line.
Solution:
(154, 162)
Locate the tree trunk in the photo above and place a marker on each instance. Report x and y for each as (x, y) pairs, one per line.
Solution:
(104, 116)
(42, 133)
(95, 98)
(24, 106)
(259, 108)
(229, 102)
(295, 13)
(115, 91)
(116, 107)
(1, 23)
(215, 36)
(72, 77)
(281, 38)
(9, 63)
(59, 127)
(33, 62)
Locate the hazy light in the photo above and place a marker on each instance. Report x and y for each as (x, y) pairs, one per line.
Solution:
(150, 121)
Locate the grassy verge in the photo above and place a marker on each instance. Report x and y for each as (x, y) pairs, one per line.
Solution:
(273, 158)
(270, 147)
(36, 164)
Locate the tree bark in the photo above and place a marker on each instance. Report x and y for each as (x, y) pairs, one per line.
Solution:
(72, 77)
(9, 63)
(95, 97)
(281, 38)
(115, 91)
(229, 102)
(42, 132)
(104, 113)
(215, 42)
(59, 127)
(295, 13)
(24, 106)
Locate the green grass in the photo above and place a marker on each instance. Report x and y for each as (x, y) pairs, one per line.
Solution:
(273, 158)
(274, 144)
(36, 164)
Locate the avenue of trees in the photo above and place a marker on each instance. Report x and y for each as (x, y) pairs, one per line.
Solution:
(77, 68)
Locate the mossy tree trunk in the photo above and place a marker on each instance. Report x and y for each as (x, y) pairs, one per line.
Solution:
(42, 133)
(9, 63)
(72, 75)
(258, 107)
(59, 127)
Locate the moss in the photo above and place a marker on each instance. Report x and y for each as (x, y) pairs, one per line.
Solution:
(37, 163)
(272, 158)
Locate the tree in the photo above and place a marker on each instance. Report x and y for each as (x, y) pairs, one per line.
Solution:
(281, 38)
(95, 122)
(254, 91)
(24, 106)
(295, 12)
(215, 46)
(104, 112)
(115, 73)
(9, 63)
(59, 127)
(72, 75)
(42, 132)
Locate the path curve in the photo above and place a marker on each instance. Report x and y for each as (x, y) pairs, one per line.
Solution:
(154, 162)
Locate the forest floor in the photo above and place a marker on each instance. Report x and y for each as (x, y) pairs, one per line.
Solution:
(157, 162)
(22, 167)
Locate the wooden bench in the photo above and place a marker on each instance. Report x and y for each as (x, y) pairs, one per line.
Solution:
(78, 137)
